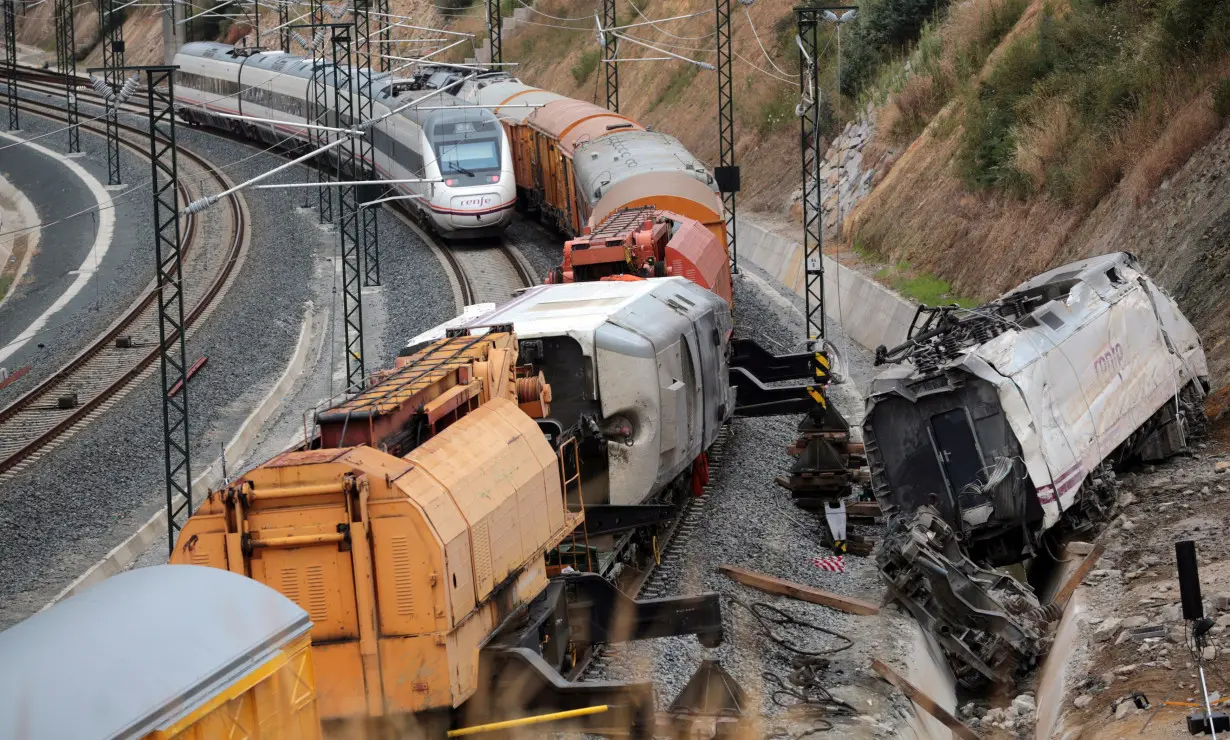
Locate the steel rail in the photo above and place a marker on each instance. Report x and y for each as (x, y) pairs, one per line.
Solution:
(46, 387)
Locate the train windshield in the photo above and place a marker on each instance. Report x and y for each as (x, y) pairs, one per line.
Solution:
(468, 157)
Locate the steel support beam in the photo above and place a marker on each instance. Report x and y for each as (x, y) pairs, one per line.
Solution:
(164, 183)
(66, 62)
(808, 20)
(727, 174)
(349, 223)
(284, 25)
(10, 63)
(610, 48)
(365, 162)
(112, 26)
(319, 92)
(386, 34)
(495, 25)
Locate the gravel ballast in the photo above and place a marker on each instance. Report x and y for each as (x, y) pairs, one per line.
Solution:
(749, 521)
(90, 493)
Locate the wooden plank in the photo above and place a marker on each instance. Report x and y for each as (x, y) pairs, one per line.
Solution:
(798, 591)
(927, 704)
(1078, 575)
(864, 508)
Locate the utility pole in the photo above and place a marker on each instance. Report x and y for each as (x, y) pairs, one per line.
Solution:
(610, 48)
(66, 61)
(283, 25)
(320, 110)
(112, 61)
(10, 64)
(808, 20)
(386, 34)
(349, 221)
(495, 25)
(727, 174)
(365, 161)
(164, 182)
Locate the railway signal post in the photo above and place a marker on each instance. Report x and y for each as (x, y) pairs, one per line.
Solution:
(112, 26)
(727, 173)
(10, 64)
(164, 182)
(610, 47)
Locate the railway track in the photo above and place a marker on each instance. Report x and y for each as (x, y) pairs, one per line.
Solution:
(485, 273)
(106, 368)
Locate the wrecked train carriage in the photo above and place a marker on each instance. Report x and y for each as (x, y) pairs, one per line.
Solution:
(1001, 417)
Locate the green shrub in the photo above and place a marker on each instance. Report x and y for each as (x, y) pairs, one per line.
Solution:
(586, 65)
(775, 113)
(679, 82)
(881, 27)
(1221, 98)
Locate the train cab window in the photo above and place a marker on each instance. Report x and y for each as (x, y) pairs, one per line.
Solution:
(468, 157)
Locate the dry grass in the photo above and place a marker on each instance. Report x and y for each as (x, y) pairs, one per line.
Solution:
(1187, 131)
(910, 110)
(1040, 145)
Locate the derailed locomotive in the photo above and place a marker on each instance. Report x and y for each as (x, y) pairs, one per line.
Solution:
(997, 427)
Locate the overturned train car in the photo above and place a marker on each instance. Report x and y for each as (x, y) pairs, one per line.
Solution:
(1003, 424)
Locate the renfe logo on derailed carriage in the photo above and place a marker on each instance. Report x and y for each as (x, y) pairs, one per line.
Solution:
(1110, 361)
(478, 201)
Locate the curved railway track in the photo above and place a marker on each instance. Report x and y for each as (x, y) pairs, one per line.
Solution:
(485, 273)
(96, 377)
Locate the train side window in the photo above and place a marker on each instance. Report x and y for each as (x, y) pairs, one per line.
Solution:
(1050, 319)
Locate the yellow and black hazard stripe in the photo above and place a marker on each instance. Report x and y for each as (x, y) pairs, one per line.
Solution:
(820, 367)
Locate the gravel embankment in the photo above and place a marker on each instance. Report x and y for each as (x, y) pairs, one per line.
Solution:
(90, 493)
(749, 521)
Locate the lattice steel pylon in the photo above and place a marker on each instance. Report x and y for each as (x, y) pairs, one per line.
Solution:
(727, 174)
(495, 27)
(366, 161)
(386, 34)
(320, 111)
(164, 181)
(808, 21)
(284, 25)
(66, 61)
(10, 64)
(349, 221)
(112, 60)
(610, 47)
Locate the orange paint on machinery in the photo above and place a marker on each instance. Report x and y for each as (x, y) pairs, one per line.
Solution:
(647, 242)
(405, 563)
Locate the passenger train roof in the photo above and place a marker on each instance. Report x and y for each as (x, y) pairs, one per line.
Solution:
(138, 652)
(292, 65)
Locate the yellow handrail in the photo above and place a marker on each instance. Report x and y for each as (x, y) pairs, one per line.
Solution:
(539, 719)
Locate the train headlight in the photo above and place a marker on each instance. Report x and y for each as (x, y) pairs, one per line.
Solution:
(449, 182)
(494, 178)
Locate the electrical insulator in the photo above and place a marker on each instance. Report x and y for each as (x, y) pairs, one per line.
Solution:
(130, 87)
(102, 88)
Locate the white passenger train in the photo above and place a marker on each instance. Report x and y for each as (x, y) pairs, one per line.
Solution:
(462, 152)
(1006, 418)
(638, 369)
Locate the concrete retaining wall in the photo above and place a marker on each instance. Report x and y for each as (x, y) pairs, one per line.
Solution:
(867, 312)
